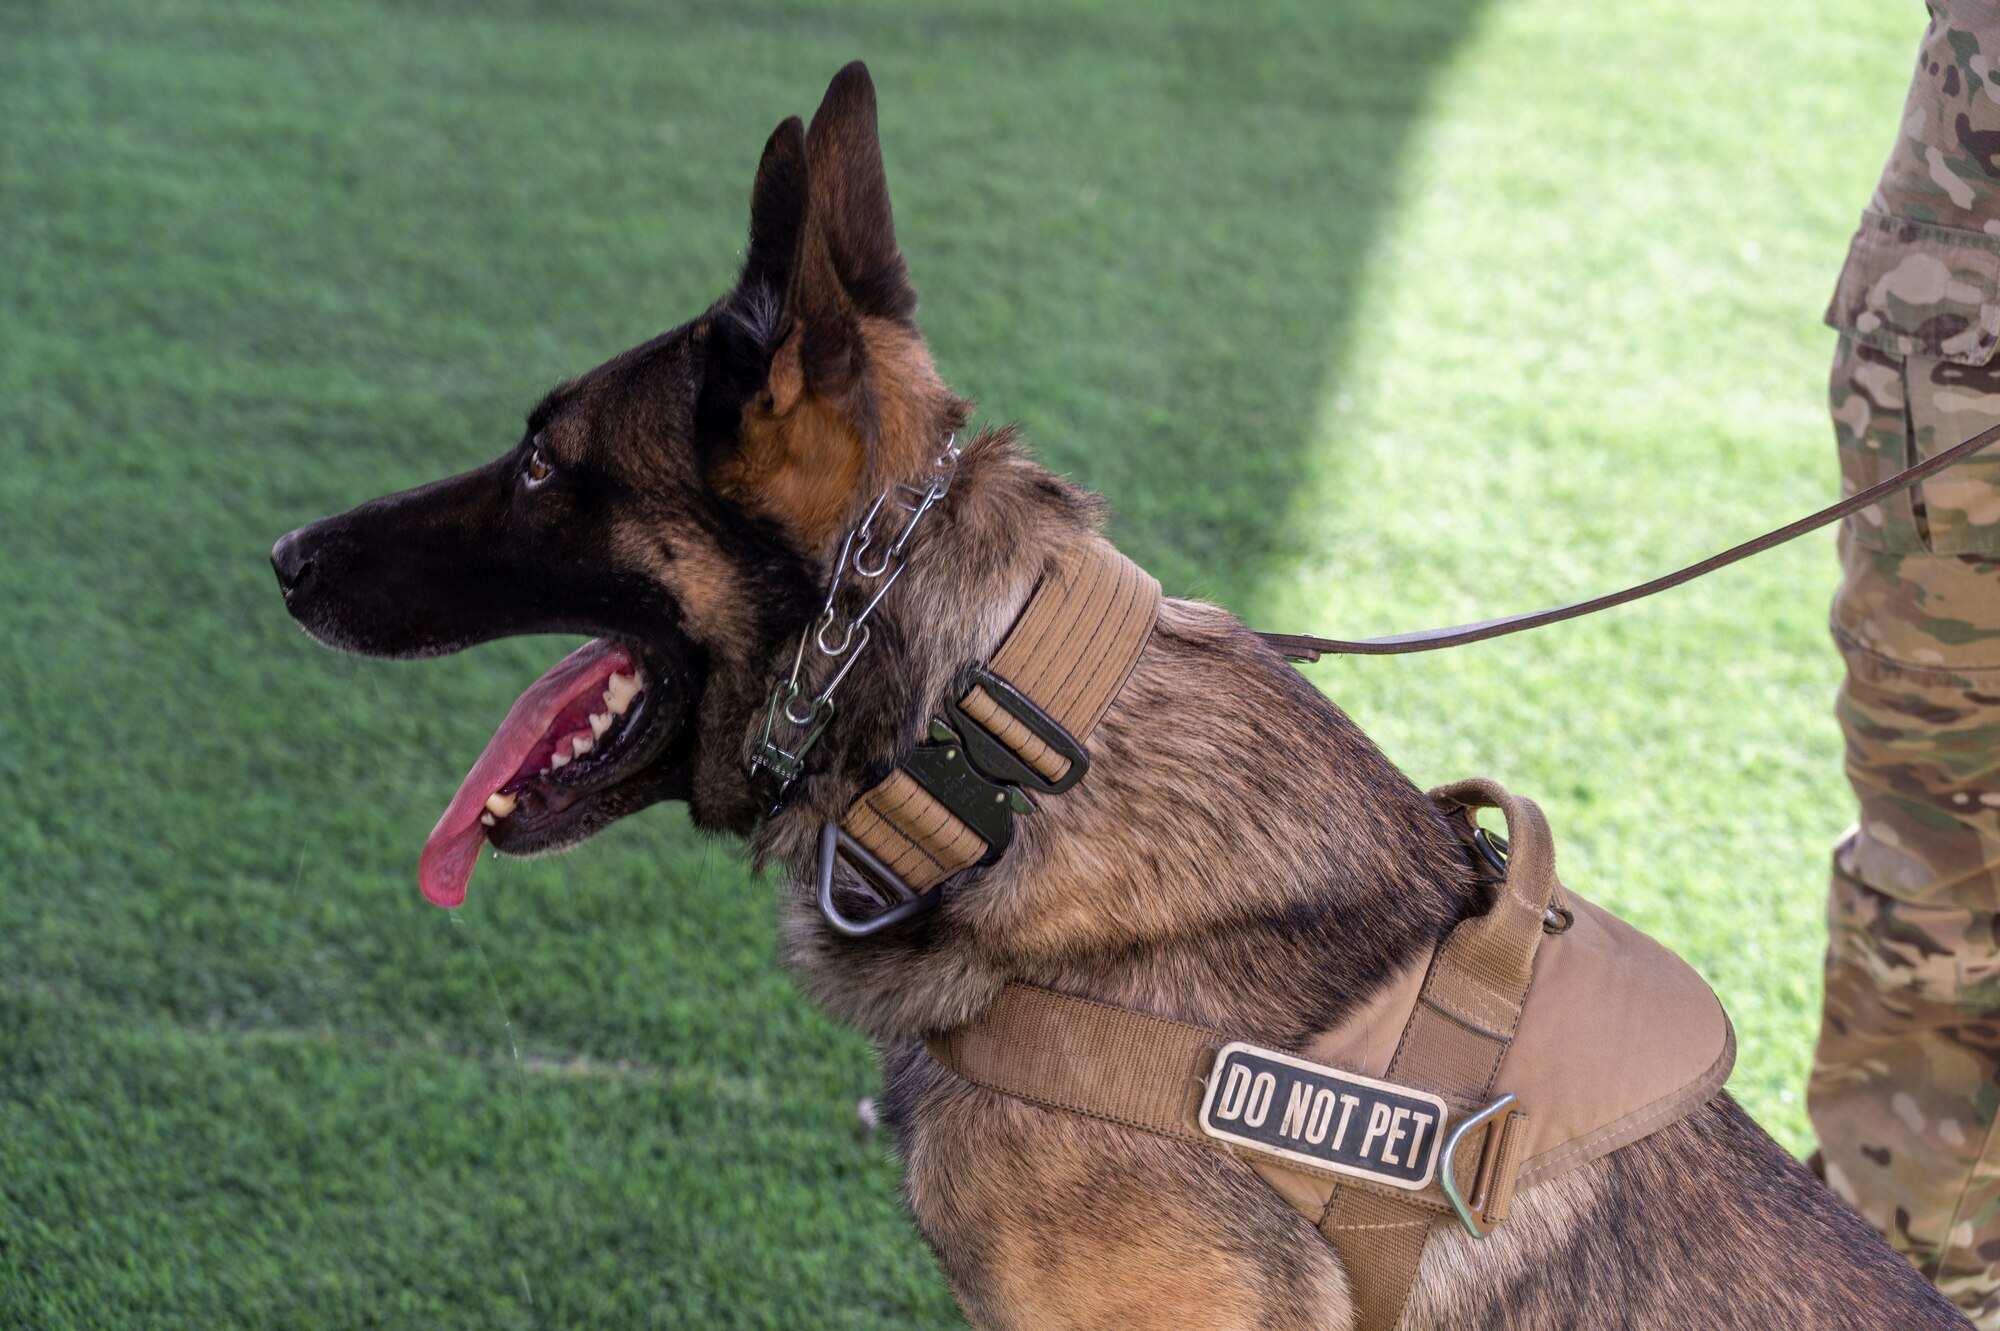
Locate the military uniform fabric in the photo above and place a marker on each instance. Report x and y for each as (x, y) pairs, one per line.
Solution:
(1905, 1092)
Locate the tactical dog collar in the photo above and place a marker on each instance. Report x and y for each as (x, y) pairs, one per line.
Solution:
(1018, 731)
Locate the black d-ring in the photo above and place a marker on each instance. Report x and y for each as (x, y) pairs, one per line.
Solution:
(907, 904)
(1492, 848)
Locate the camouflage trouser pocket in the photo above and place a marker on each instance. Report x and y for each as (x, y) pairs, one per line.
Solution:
(1918, 960)
(1892, 411)
(1958, 510)
(1918, 310)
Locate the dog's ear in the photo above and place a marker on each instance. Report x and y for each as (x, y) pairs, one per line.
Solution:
(850, 198)
(809, 427)
(777, 214)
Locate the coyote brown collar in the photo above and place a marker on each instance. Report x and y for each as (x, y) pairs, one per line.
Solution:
(1018, 731)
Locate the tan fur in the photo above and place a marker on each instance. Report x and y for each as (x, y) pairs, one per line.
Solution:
(709, 588)
(1091, 1226)
(917, 412)
(791, 449)
(806, 460)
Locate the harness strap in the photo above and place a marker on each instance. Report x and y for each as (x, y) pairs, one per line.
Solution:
(1453, 1043)
(1069, 653)
(1146, 1072)
(1063, 1052)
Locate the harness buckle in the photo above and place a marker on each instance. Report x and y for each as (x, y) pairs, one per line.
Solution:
(907, 903)
(1473, 1212)
(946, 770)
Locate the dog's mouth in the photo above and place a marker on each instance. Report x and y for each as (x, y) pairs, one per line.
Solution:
(551, 773)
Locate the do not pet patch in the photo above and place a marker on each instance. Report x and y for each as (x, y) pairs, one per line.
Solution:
(1320, 1116)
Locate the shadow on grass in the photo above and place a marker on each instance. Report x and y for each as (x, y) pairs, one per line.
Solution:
(276, 259)
(1170, 236)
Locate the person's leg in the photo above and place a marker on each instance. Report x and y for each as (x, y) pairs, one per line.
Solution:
(1905, 1094)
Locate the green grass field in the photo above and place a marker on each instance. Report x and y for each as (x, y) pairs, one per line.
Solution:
(1366, 317)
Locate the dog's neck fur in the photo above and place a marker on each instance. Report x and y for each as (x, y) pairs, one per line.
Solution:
(1239, 855)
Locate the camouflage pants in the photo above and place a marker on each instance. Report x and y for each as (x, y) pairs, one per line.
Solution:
(1905, 1092)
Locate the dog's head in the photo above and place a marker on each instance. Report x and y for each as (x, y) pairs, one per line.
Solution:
(679, 503)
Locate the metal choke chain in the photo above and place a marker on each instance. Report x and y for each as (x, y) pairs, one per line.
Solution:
(792, 703)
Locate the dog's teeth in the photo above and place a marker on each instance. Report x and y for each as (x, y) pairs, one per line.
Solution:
(581, 745)
(559, 759)
(500, 805)
(488, 819)
(599, 723)
(619, 693)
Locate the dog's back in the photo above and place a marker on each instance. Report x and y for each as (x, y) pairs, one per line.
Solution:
(1707, 1224)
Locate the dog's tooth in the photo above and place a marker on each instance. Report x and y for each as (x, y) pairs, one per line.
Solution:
(559, 759)
(599, 723)
(488, 819)
(500, 805)
(619, 693)
(581, 745)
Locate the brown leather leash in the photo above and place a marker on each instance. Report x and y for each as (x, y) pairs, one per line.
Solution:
(1305, 647)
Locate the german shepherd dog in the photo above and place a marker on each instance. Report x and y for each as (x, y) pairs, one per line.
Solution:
(1241, 858)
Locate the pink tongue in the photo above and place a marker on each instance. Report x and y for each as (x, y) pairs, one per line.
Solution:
(453, 847)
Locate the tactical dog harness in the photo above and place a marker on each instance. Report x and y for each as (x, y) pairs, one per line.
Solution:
(1541, 1034)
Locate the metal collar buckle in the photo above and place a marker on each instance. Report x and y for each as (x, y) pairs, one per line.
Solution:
(1001, 764)
(1472, 1212)
(978, 779)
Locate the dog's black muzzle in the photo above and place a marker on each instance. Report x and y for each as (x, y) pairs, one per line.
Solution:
(451, 564)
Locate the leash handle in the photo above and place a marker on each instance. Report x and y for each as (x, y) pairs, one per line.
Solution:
(1305, 647)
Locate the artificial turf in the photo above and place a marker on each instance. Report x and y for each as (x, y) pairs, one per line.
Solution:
(1365, 318)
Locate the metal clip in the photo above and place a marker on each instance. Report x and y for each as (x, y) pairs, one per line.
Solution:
(908, 904)
(1492, 848)
(768, 756)
(1472, 1213)
(837, 641)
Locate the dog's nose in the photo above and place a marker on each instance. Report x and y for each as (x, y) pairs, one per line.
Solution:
(291, 562)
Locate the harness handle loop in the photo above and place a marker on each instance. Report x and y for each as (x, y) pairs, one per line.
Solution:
(1498, 948)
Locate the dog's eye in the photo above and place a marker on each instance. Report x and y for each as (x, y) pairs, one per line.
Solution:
(538, 468)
